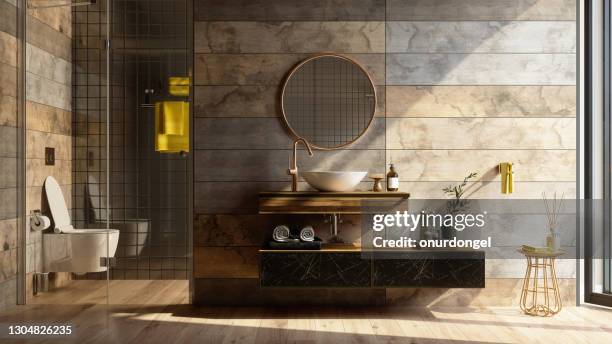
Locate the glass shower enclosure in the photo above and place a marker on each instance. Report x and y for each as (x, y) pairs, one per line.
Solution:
(95, 95)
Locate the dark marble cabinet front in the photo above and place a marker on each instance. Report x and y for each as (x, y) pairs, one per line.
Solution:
(459, 270)
(352, 269)
(314, 269)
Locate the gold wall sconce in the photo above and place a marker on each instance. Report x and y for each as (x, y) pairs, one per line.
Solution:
(507, 177)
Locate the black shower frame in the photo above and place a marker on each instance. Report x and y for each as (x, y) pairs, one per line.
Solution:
(590, 296)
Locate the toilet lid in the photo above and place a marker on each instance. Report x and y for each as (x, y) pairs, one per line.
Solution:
(57, 203)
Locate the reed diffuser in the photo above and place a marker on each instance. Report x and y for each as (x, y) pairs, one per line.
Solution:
(553, 209)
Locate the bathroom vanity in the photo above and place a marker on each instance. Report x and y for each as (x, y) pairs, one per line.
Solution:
(350, 266)
(329, 120)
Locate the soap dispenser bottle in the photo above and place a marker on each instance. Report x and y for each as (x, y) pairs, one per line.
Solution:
(392, 179)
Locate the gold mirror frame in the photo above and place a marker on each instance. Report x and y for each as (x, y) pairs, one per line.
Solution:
(296, 68)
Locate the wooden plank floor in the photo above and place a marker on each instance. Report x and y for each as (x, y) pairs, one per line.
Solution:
(157, 312)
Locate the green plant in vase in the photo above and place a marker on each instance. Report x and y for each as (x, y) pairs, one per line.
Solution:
(456, 204)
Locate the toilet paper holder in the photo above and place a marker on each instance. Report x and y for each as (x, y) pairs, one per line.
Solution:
(38, 221)
(35, 213)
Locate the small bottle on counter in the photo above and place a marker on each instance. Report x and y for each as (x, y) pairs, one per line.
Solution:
(392, 179)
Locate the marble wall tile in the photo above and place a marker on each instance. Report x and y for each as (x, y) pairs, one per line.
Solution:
(453, 165)
(509, 231)
(8, 18)
(36, 199)
(8, 111)
(481, 101)
(8, 203)
(37, 171)
(8, 172)
(266, 133)
(242, 197)
(232, 198)
(236, 101)
(481, 69)
(267, 69)
(476, 133)
(271, 165)
(48, 66)
(233, 230)
(48, 119)
(481, 10)
(8, 80)
(37, 141)
(58, 18)
(224, 262)
(46, 38)
(8, 294)
(238, 133)
(47, 92)
(8, 142)
(250, 101)
(509, 268)
(289, 37)
(490, 190)
(481, 37)
(294, 10)
(8, 264)
(8, 49)
(8, 234)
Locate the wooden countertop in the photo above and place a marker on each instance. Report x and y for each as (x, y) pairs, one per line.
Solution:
(314, 202)
(321, 194)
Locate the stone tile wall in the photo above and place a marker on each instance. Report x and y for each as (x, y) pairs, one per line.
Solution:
(462, 85)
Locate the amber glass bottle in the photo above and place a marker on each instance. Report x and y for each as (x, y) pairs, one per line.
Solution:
(392, 179)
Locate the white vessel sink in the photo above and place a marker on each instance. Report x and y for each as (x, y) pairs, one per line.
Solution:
(333, 181)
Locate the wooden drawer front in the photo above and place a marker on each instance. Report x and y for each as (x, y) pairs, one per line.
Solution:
(306, 269)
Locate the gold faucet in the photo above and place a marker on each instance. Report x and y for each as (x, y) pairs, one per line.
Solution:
(293, 169)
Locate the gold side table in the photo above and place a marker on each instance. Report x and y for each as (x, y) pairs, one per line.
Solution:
(536, 298)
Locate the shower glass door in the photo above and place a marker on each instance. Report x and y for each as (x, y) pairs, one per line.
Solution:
(66, 154)
(149, 159)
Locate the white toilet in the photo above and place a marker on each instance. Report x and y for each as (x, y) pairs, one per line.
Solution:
(134, 232)
(73, 250)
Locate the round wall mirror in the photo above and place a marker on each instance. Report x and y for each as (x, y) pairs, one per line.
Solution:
(329, 100)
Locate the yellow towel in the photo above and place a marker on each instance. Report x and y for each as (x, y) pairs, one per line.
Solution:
(172, 115)
(178, 86)
(172, 127)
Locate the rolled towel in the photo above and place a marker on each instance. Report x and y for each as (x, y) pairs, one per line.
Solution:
(39, 222)
(281, 233)
(307, 234)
